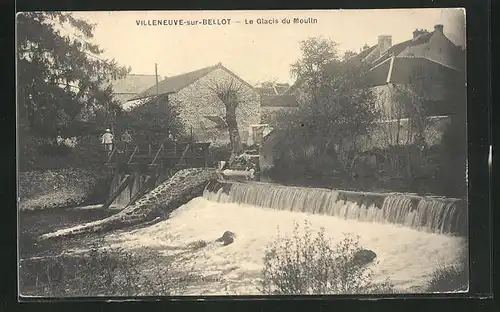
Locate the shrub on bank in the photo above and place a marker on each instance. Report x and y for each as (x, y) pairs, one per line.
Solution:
(303, 264)
(39, 154)
(100, 272)
(62, 188)
(450, 278)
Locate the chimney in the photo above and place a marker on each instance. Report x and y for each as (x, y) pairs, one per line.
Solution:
(384, 43)
(438, 28)
(418, 32)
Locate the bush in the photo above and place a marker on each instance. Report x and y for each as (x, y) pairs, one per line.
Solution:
(63, 187)
(304, 265)
(450, 278)
(101, 272)
(43, 154)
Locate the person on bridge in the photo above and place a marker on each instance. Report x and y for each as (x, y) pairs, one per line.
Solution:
(127, 139)
(107, 141)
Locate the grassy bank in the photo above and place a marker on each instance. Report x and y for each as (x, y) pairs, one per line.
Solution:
(58, 188)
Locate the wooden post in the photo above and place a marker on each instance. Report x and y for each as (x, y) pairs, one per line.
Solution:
(157, 90)
(205, 155)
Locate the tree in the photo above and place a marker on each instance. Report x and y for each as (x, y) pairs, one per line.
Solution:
(349, 54)
(61, 77)
(327, 128)
(231, 93)
(153, 120)
(316, 54)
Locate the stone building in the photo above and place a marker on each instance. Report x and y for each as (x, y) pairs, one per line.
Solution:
(201, 111)
(420, 67)
(427, 56)
(273, 102)
(273, 105)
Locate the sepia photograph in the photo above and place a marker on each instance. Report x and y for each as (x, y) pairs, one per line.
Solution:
(241, 153)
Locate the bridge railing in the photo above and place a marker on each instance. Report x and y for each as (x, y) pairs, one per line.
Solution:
(182, 150)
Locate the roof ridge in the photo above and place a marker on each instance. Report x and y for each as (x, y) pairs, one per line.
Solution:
(181, 81)
(142, 75)
(192, 71)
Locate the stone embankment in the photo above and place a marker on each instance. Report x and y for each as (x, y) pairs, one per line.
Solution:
(178, 190)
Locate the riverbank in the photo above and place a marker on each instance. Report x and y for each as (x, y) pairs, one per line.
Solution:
(61, 188)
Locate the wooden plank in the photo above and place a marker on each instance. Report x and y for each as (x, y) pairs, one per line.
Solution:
(125, 182)
(157, 153)
(132, 156)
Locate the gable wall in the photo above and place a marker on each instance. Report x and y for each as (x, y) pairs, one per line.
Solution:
(438, 48)
(197, 100)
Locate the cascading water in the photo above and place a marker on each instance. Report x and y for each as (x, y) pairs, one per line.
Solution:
(430, 214)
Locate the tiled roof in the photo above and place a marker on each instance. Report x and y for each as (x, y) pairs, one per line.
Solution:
(274, 89)
(127, 87)
(400, 47)
(395, 49)
(278, 101)
(404, 68)
(176, 83)
(281, 88)
(423, 38)
(293, 87)
(133, 83)
(363, 54)
(265, 90)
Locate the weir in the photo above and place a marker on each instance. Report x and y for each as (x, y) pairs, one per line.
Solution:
(431, 214)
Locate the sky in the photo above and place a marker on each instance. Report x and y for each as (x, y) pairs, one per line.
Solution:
(255, 52)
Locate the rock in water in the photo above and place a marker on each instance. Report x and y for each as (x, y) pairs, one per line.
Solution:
(364, 256)
(226, 238)
(178, 190)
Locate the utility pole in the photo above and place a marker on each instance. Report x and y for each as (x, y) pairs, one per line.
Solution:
(157, 95)
(157, 91)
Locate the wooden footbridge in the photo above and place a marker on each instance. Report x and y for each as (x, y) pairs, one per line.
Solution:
(139, 168)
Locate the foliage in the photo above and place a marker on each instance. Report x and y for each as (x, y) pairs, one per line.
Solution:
(335, 114)
(454, 159)
(100, 272)
(152, 120)
(453, 277)
(449, 278)
(218, 153)
(424, 97)
(349, 54)
(231, 93)
(303, 264)
(61, 79)
(62, 188)
(37, 153)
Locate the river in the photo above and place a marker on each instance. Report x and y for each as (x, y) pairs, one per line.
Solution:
(405, 255)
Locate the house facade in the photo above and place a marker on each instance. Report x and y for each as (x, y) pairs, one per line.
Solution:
(419, 69)
(201, 111)
(429, 57)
